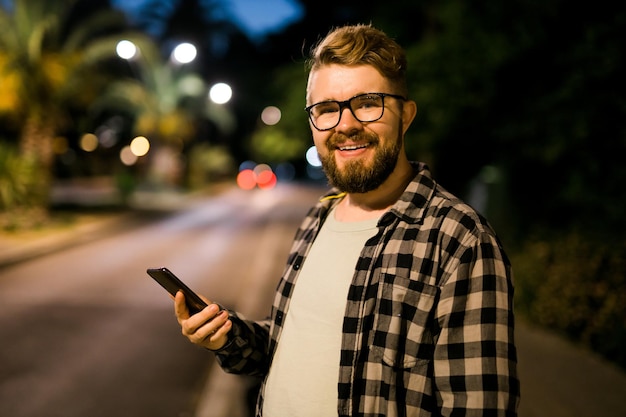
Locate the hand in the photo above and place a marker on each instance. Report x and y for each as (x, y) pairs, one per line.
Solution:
(208, 328)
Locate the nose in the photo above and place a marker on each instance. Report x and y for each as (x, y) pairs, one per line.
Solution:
(348, 123)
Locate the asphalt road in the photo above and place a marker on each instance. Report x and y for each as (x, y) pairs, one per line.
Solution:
(85, 332)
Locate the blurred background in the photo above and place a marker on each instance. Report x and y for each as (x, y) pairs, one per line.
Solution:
(522, 112)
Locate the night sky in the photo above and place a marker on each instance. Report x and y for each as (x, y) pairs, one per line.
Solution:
(254, 17)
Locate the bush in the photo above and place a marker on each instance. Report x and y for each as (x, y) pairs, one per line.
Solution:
(208, 164)
(576, 285)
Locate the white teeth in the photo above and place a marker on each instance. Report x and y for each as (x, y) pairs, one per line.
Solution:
(352, 147)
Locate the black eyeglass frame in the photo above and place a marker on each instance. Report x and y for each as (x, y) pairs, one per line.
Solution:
(346, 104)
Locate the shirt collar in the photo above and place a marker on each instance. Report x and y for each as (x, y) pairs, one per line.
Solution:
(412, 203)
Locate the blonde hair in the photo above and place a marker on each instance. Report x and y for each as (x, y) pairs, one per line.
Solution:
(362, 45)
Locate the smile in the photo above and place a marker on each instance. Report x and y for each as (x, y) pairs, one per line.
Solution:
(352, 147)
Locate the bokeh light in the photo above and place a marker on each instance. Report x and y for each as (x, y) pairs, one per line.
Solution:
(260, 168)
(265, 177)
(127, 156)
(140, 146)
(246, 179)
(285, 171)
(252, 175)
(247, 165)
(270, 115)
(266, 180)
(126, 49)
(312, 157)
(184, 53)
(220, 93)
(89, 142)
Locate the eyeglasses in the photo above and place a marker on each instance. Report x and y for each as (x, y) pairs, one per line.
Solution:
(367, 107)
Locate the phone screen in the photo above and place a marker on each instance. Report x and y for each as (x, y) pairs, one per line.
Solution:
(173, 284)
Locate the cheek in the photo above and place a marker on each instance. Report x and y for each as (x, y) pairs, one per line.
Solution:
(319, 140)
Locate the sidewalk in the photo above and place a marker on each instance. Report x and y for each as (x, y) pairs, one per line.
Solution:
(77, 227)
(17, 247)
(561, 379)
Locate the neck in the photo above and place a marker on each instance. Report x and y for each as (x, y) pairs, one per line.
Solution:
(365, 206)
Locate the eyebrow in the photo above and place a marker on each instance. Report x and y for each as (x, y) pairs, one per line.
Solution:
(336, 99)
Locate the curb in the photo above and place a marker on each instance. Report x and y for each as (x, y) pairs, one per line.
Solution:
(17, 249)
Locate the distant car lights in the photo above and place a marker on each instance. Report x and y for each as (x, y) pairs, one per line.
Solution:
(253, 175)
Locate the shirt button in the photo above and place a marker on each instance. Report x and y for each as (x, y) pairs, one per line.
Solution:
(296, 266)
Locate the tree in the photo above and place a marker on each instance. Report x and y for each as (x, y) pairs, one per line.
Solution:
(166, 101)
(48, 54)
(155, 95)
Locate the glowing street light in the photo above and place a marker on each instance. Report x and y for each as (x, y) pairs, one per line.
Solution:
(184, 53)
(140, 146)
(220, 93)
(126, 49)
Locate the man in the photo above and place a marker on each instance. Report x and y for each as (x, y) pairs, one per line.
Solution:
(397, 297)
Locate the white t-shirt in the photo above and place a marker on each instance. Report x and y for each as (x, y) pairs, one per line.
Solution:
(303, 378)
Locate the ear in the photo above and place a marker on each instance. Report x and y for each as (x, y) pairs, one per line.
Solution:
(409, 110)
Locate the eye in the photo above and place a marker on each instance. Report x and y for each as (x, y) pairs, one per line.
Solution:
(367, 101)
(325, 108)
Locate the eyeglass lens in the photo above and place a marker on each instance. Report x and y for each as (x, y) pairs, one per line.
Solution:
(365, 108)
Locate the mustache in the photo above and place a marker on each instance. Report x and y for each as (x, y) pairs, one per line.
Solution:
(338, 139)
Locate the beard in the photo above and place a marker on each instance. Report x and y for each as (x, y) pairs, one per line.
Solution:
(357, 176)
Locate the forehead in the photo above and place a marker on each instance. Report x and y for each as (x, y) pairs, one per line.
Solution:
(340, 82)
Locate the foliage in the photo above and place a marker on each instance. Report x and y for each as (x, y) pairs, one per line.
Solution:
(451, 77)
(163, 99)
(289, 139)
(48, 59)
(577, 285)
(565, 128)
(272, 145)
(208, 164)
(20, 189)
(517, 86)
(48, 69)
(514, 85)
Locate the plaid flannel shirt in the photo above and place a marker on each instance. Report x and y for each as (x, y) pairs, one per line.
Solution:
(428, 328)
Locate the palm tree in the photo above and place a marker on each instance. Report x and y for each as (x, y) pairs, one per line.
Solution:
(47, 57)
(154, 96)
(166, 100)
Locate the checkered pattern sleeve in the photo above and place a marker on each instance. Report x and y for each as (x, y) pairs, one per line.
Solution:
(246, 350)
(474, 358)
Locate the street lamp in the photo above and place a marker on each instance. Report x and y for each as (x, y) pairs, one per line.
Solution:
(220, 93)
(126, 49)
(184, 53)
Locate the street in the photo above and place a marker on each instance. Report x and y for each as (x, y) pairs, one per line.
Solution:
(85, 332)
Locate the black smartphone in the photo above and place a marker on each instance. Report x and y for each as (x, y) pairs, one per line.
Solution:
(173, 284)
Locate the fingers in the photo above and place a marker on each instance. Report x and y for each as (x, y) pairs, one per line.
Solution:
(211, 333)
(208, 328)
(201, 323)
(180, 307)
(214, 334)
